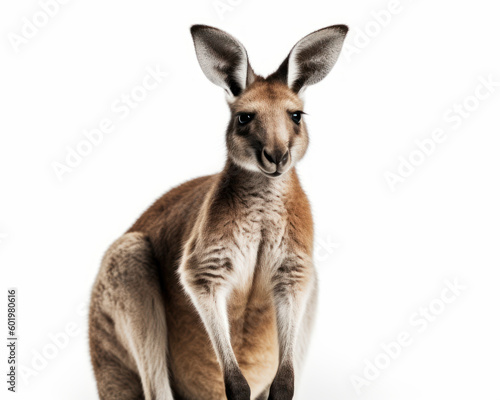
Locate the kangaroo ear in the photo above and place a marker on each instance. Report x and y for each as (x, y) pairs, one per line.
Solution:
(312, 58)
(222, 58)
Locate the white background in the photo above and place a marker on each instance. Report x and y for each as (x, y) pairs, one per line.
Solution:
(391, 251)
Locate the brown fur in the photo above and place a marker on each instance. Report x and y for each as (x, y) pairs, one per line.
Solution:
(193, 363)
(212, 292)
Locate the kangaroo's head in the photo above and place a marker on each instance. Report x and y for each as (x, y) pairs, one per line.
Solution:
(266, 133)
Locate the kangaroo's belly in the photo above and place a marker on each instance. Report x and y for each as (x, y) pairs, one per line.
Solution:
(194, 368)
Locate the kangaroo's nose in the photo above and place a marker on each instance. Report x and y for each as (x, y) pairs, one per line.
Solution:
(277, 157)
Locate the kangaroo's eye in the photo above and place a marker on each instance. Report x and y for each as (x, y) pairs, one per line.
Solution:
(245, 118)
(296, 117)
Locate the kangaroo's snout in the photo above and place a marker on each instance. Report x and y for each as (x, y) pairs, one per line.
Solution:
(275, 160)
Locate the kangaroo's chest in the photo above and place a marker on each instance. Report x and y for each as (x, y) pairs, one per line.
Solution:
(240, 243)
(259, 234)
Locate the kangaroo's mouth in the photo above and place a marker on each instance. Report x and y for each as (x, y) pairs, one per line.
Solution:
(274, 174)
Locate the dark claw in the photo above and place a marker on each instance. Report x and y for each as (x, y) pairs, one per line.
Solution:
(236, 386)
(282, 387)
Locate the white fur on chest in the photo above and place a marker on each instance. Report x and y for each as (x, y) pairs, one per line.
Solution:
(259, 234)
(253, 237)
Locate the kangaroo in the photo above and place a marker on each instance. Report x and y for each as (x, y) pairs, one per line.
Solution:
(211, 294)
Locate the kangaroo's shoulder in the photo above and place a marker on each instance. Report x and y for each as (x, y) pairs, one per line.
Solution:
(174, 209)
(299, 216)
